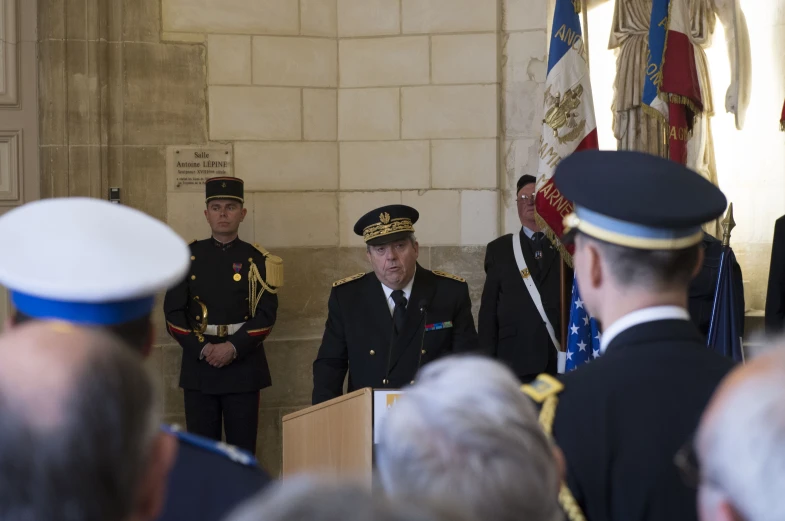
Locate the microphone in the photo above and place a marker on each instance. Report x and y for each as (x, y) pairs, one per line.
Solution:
(423, 305)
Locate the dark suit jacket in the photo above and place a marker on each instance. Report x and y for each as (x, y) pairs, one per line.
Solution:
(358, 332)
(510, 327)
(211, 278)
(704, 286)
(775, 294)
(622, 418)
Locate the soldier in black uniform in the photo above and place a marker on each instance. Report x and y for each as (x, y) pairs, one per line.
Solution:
(621, 418)
(220, 314)
(111, 262)
(382, 326)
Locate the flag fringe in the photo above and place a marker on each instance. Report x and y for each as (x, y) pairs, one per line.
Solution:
(565, 255)
(683, 100)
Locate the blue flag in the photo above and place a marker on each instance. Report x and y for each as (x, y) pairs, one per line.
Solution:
(727, 320)
(583, 335)
(658, 34)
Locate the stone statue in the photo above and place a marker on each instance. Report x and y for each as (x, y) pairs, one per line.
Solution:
(636, 130)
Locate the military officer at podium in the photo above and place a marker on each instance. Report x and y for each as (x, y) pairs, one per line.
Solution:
(382, 326)
(220, 315)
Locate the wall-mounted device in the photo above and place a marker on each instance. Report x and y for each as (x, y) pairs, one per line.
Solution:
(114, 195)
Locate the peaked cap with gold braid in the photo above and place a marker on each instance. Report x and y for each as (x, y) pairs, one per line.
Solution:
(386, 224)
(544, 390)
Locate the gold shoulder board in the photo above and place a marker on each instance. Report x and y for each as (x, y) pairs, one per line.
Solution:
(543, 387)
(448, 275)
(273, 266)
(348, 279)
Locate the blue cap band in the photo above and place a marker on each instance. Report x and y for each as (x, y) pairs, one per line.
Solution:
(633, 235)
(89, 313)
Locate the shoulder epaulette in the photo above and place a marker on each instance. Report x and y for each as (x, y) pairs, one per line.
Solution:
(273, 265)
(542, 388)
(448, 275)
(348, 279)
(229, 452)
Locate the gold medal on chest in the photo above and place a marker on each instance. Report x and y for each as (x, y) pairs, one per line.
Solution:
(237, 277)
(237, 266)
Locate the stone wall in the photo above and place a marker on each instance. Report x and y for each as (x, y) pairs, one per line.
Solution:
(331, 107)
(112, 96)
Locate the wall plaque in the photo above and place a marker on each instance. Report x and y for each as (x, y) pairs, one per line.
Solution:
(187, 168)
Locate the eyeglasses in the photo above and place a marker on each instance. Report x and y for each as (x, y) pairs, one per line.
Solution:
(526, 199)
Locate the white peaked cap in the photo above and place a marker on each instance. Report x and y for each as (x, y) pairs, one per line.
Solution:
(87, 260)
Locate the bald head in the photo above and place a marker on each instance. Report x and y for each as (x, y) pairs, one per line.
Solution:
(741, 443)
(78, 412)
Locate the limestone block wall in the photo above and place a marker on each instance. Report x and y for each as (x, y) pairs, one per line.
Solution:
(331, 107)
(336, 106)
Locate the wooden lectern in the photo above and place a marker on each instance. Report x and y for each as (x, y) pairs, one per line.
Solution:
(336, 438)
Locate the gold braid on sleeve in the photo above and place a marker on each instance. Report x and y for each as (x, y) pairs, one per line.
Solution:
(256, 288)
(566, 499)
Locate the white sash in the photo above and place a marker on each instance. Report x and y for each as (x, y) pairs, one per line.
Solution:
(535, 295)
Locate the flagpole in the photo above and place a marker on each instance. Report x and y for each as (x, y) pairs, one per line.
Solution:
(565, 307)
(727, 225)
(585, 12)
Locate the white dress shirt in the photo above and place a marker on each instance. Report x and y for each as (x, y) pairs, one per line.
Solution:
(638, 317)
(528, 232)
(407, 292)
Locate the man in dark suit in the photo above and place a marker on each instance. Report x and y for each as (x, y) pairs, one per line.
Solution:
(511, 324)
(621, 419)
(704, 286)
(775, 293)
(383, 326)
(220, 314)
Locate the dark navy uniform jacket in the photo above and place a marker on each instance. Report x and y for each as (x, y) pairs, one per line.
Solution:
(359, 330)
(209, 479)
(775, 292)
(212, 280)
(622, 418)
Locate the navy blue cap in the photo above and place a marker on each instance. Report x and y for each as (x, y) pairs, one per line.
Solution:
(637, 200)
(386, 224)
(224, 188)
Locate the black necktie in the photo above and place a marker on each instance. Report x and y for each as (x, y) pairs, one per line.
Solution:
(399, 313)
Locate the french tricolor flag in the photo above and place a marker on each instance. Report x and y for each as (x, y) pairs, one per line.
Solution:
(568, 123)
(671, 89)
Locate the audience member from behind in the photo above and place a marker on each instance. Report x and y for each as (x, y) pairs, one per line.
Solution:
(316, 499)
(741, 445)
(465, 433)
(79, 439)
(621, 418)
(110, 263)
